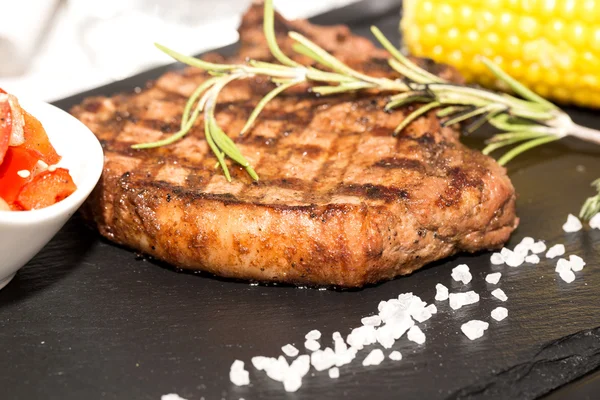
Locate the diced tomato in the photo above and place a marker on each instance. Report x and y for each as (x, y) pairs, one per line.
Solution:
(36, 139)
(5, 127)
(45, 189)
(16, 159)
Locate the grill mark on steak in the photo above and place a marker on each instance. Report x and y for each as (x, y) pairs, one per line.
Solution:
(340, 201)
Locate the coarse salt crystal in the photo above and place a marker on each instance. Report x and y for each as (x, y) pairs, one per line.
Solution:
(595, 221)
(374, 320)
(362, 336)
(238, 375)
(493, 278)
(441, 292)
(422, 315)
(289, 350)
(555, 251)
(395, 356)
(345, 357)
(497, 259)
(461, 274)
(385, 336)
(171, 396)
(457, 300)
(415, 334)
(538, 247)
(334, 373)
(431, 308)
(24, 173)
(577, 262)
(499, 294)
(375, 357)
(499, 313)
(301, 365)
(474, 329)
(261, 362)
(312, 345)
(567, 276)
(323, 359)
(313, 335)
(562, 265)
(528, 241)
(573, 224)
(521, 249)
(532, 259)
(400, 326)
(515, 259)
(276, 369)
(292, 382)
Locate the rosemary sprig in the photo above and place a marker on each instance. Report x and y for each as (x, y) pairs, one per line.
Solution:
(527, 121)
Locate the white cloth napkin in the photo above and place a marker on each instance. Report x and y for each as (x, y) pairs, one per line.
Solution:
(21, 29)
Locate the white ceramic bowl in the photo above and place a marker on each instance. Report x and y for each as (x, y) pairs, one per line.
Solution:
(24, 233)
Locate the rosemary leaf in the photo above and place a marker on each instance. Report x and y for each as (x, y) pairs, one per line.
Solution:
(517, 86)
(264, 101)
(269, 30)
(195, 62)
(526, 146)
(591, 206)
(500, 141)
(414, 115)
(407, 72)
(342, 88)
(428, 77)
(410, 97)
(215, 149)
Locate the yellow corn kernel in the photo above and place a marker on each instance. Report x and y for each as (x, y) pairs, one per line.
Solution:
(551, 46)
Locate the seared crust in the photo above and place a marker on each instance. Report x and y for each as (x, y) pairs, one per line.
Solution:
(340, 201)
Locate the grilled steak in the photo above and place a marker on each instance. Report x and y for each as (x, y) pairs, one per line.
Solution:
(340, 201)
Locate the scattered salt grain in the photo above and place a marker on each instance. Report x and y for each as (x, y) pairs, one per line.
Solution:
(577, 262)
(24, 173)
(457, 300)
(562, 266)
(334, 373)
(313, 335)
(499, 294)
(595, 221)
(474, 329)
(395, 356)
(538, 247)
(555, 251)
(415, 334)
(573, 224)
(499, 313)
(289, 350)
(238, 375)
(497, 259)
(431, 308)
(171, 396)
(461, 274)
(532, 259)
(312, 345)
(441, 293)
(374, 320)
(567, 276)
(375, 357)
(493, 278)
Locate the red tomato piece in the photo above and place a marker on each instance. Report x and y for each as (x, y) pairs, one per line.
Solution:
(45, 189)
(16, 159)
(36, 139)
(5, 127)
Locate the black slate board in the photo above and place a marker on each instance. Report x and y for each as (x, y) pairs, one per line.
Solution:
(87, 319)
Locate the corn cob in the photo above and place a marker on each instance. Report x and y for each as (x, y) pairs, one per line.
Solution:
(551, 46)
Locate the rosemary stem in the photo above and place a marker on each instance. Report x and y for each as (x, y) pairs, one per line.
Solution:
(585, 133)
